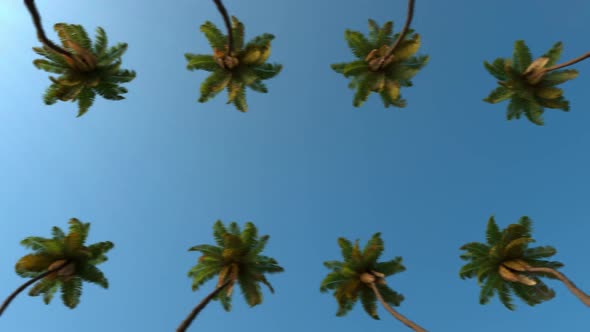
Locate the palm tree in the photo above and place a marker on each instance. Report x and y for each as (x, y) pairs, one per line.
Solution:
(360, 275)
(235, 258)
(233, 65)
(506, 264)
(63, 261)
(382, 65)
(531, 85)
(85, 69)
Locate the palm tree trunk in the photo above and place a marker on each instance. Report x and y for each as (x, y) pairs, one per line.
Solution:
(402, 34)
(585, 298)
(29, 283)
(230, 38)
(394, 313)
(41, 33)
(187, 322)
(568, 63)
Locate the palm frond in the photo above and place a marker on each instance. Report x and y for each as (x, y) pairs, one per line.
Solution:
(521, 57)
(201, 62)
(553, 54)
(369, 302)
(216, 38)
(358, 44)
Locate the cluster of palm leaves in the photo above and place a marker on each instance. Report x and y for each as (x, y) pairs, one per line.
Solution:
(351, 279)
(373, 71)
(235, 258)
(242, 66)
(72, 260)
(501, 263)
(528, 84)
(92, 68)
(505, 264)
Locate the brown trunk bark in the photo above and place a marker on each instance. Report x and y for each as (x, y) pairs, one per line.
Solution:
(402, 34)
(41, 33)
(187, 322)
(568, 63)
(568, 283)
(29, 283)
(394, 313)
(230, 38)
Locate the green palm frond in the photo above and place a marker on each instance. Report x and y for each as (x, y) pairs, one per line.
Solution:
(235, 258)
(217, 40)
(91, 70)
(379, 36)
(345, 280)
(358, 43)
(70, 251)
(372, 72)
(246, 66)
(553, 54)
(521, 57)
(201, 62)
(527, 84)
(238, 34)
(499, 264)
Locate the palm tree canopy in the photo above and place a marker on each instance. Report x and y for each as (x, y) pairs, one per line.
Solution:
(93, 69)
(528, 86)
(499, 264)
(397, 71)
(245, 66)
(64, 248)
(236, 257)
(346, 282)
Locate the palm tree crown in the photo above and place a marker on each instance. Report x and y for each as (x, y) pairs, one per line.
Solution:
(369, 74)
(93, 68)
(235, 258)
(351, 279)
(78, 263)
(243, 66)
(529, 84)
(500, 264)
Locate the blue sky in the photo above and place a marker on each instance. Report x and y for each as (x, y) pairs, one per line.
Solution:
(153, 172)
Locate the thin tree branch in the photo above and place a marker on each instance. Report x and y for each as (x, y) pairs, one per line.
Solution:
(29, 283)
(402, 34)
(568, 63)
(568, 283)
(225, 15)
(394, 313)
(41, 33)
(187, 322)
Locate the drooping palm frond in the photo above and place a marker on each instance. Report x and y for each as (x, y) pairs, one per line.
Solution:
(92, 70)
(346, 279)
(499, 264)
(245, 66)
(235, 258)
(527, 83)
(374, 71)
(70, 251)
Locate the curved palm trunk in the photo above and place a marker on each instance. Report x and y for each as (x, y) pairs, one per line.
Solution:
(187, 322)
(585, 298)
(394, 313)
(29, 283)
(402, 34)
(568, 63)
(230, 38)
(41, 33)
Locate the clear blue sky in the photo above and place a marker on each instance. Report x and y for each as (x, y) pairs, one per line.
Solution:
(153, 172)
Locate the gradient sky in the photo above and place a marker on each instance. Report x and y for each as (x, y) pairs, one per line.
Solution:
(153, 172)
